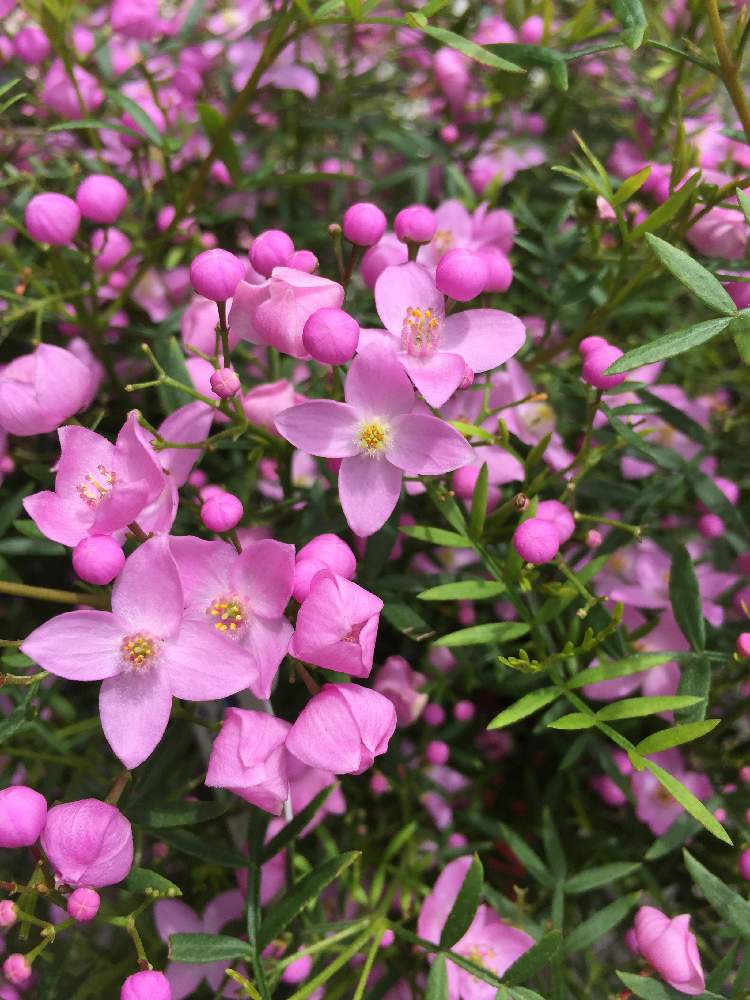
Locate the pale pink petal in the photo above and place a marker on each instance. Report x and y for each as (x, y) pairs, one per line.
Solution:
(485, 338)
(147, 594)
(377, 385)
(203, 665)
(264, 574)
(191, 422)
(225, 907)
(134, 709)
(369, 489)
(501, 465)
(377, 338)
(438, 377)
(184, 978)
(120, 506)
(247, 298)
(82, 452)
(204, 569)
(424, 445)
(403, 287)
(321, 427)
(78, 645)
(267, 641)
(326, 735)
(63, 519)
(134, 460)
(172, 916)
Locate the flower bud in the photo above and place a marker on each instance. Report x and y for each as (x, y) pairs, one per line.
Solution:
(222, 512)
(225, 383)
(499, 271)
(589, 344)
(273, 248)
(596, 362)
(88, 843)
(22, 816)
(744, 864)
(558, 515)
(138, 19)
(331, 336)
(379, 784)
(333, 552)
(110, 247)
(16, 969)
(710, 526)
(215, 274)
(249, 758)
(303, 260)
(363, 224)
(463, 711)
(461, 274)
(593, 538)
(101, 198)
(670, 948)
(434, 714)
(536, 540)
(31, 45)
(531, 31)
(52, 218)
(8, 913)
(402, 687)
(98, 559)
(387, 253)
(83, 904)
(437, 752)
(146, 986)
(415, 224)
(743, 651)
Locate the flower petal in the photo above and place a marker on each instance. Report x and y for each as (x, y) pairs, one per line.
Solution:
(147, 594)
(204, 569)
(264, 573)
(134, 709)
(79, 645)
(405, 286)
(438, 377)
(63, 519)
(425, 446)
(267, 641)
(377, 385)
(485, 338)
(369, 489)
(320, 427)
(202, 665)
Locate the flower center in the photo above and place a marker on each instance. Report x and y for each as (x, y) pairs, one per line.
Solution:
(139, 651)
(539, 417)
(373, 436)
(91, 489)
(478, 954)
(420, 333)
(228, 615)
(442, 241)
(353, 634)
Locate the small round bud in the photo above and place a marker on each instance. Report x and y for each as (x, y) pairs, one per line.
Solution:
(363, 224)
(593, 538)
(98, 559)
(536, 540)
(222, 512)
(16, 969)
(101, 198)
(415, 224)
(273, 248)
(149, 985)
(744, 772)
(743, 651)
(457, 840)
(83, 904)
(461, 274)
(499, 271)
(303, 260)
(31, 45)
(449, 134)
(331, 336)
(596, 362)
(387, 939)
(225, 383)
(589, 344)
(710, 526)
(463, 711)
(434, 715)
(744, 864)
(52, 218)
(531, 31)
(23, 813)
(379, 784)
(8, 913)
(437, 752)
(558, 515)
(110, 246)
(215, 274)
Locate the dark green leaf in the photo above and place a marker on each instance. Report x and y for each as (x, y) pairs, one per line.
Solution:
(667, 210)
(528, 858)
(437, 981)
(150, 883)
(653, 989)
(479, 503)
(204, 948)
(139, 116)
(298, 823)
(704, 285)
(178, 813)
(527, 705)
(635, 708)
(464, 590)
(594, 878)
(669, 345)
(689, 802)
(534, 960)
(730, 906)
(478, 635)
(465, 906)
(695, 679)
(685, 598)
(596, 926)
(214, 127)
(204, 848)
(406, 620)
(468, 48)
(529, 56)
(631, 16)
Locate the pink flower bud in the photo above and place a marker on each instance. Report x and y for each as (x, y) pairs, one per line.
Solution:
(743, 651)
(387, 253)
(744, 772)
(449, 134)
(401, 685)
(137, 19)
(22, 816)
(304, 260)
(110, 247)
(437, 752)
(215, 274)
(8, 913)
(330, 336)
(31, 46)
(342, 729)
(434, 714)
(52, 218)
(461, 274)
(273, 248)
(499, 271)
(101, 198)
(88, 843)
(589, 344)
(98, 559)
(363, 224)
(387, 939)
(297, 971)
(415, 224)
(593, 538)
(146, 986)
(379, 784)
(83, 904)
(531, 31)
(333, 552)
(710, 526)
(558, 515)
(596, 362)
(225, 383)
(16, 969)
(249, 758)
(536, 540)
(744, 864)
(670, 948)
(463, 711)
(222, 512)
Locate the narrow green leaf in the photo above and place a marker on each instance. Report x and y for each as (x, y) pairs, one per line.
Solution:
(479, 635)
(525, 706)
(744, 201)
(574, 720)
(465, 906)
(704, 285)
(479, 503)
(695, 679)
(635, 708)
(170, 356)
(206, 849)
(476, 52)
(553, 847)
(406, 620)
(139, 116)
(151, 883)
(528, 858)
(729, 905)
(464, 590)
(298, 823)
(670, 345)
(630, 185)
(204, 948)
(620, 668)
(437, 981)
(667, 210)
(665, 739)
(631, 16)
(214, 127)
(178, 813)
(534, 960)
(436, 536)
(689, 802)
(596, 926)
(653, 989)
(595, 878)
(685, 598)
(529, 56)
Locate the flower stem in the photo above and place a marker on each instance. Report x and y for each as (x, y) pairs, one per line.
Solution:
(50, 594)
(729, 68)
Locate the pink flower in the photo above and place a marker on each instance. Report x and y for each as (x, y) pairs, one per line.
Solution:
(275, 312)
(489, 941)
(144, 650)
(337, 625)
(99, 487)
(172, 916)
(721, 232)
(436, 349)
(249, 758)
(401, 686)
(23, 813)
(343, 728)
(88, 843)
(38, 391)
(670, 947)
(241, 598)
(378, 436)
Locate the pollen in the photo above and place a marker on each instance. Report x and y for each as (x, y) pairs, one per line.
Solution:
(138, 651)
(228, 615)
(92, 489)
(373, 436)
(420, 333)
(442, 241)
(479, 954)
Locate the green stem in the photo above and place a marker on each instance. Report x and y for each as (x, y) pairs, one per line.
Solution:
(729, 69)
(50, 594)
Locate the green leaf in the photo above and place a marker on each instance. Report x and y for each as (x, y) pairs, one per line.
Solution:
(675, 736)
(170, 356)
(729, 905)
(534, 960)
(406, 620)
(695, 679)
(631, 16)
(214, 126)
(693, 276)
(204, 948)
(594, 878)
(529, 56)
(139, 116)
(743, 200)
(464, 590)
(620, 668)
(664, 458)
(591, 930)
(667, 210)
(636, 708)
(479, 503)
(669, 345)
(528, 858)
(685, 598)
(206, 849)
(12, 506)
(525, 706)
(478, 635)
(465, 906)
(436, 536)
(300, 894)
(150, 883)
(437, 981)
(95, 123)
(476, 52)
(652, 989)
(178, 813)
(298, 823)
(574, 720)
(630, 185)
(689, 802)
